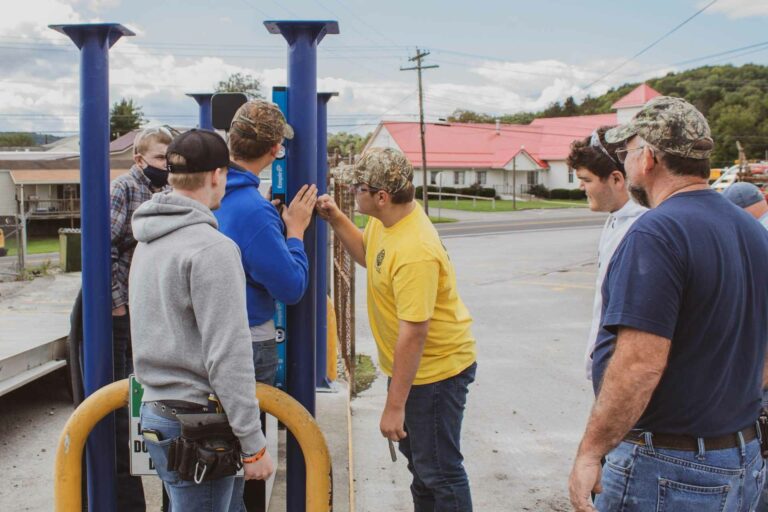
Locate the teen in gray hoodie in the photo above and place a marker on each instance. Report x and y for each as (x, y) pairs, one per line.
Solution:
(189, 321)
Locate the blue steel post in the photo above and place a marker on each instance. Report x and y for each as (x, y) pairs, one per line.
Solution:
(204, 100)
(321, 360)
(94, 41)
(303, 38)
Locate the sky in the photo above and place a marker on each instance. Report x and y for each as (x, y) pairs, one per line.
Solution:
(494, 56)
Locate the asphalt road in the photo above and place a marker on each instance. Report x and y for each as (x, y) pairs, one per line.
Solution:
(510, 225)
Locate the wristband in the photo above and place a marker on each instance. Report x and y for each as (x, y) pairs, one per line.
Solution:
(250, 458)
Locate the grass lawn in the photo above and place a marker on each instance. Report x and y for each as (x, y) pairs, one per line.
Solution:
(505, 206)
(361, 219)
(35, 245)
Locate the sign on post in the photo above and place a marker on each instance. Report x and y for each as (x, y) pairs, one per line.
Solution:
(141, 462)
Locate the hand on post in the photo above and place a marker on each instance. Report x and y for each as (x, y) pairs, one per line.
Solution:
(298, 214)
(326, 208)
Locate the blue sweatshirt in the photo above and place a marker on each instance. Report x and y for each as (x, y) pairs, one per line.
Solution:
(275, 268)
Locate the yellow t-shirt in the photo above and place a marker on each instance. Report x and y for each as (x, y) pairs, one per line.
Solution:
(410, 277)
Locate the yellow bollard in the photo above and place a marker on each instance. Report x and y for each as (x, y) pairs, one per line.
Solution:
(69, 453)
(331, 352)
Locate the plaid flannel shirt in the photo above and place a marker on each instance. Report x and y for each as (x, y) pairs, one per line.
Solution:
(127, 193)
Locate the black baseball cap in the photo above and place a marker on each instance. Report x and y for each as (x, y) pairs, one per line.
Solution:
(201, 150)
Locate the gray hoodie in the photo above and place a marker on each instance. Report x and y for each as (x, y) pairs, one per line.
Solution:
(189, 321)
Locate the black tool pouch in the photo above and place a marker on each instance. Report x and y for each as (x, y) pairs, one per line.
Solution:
(206, 450)
(762, 424)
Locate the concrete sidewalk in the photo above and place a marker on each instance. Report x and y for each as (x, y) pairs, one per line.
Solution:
(530, 295)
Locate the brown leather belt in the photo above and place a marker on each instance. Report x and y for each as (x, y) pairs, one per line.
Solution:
(690, 443)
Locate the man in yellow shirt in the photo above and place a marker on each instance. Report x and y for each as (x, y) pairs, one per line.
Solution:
(421, 327)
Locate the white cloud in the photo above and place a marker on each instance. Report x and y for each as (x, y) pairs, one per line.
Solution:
(30, 19)
(46, 82)
(739, 8)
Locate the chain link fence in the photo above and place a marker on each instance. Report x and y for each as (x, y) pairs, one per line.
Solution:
(344, 287)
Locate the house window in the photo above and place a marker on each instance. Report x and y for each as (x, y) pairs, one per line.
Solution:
(482, 177)
(433, 177)
(571, 175)
(458, 178)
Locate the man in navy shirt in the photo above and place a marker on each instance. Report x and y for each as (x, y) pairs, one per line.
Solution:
(678, 363)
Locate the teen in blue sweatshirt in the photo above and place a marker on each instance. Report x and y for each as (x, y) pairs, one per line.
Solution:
(271, 242)
(276, 268)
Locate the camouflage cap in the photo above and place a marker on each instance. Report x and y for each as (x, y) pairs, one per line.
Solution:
(261, 120)
(382, 168)
(670, 124)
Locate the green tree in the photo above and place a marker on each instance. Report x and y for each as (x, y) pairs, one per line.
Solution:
(17, 140)
(345, 142)
(124, 117)
(239, 82)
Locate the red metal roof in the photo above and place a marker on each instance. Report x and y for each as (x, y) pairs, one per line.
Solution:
(638, 97)
(470, 145)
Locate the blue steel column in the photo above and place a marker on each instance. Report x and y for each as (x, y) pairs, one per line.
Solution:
(205, 121)
(302, 38)
(94, 41)
(321, 360)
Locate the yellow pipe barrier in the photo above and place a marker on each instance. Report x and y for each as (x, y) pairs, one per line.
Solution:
(69, 453)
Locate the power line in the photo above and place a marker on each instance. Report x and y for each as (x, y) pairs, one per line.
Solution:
(657, 41)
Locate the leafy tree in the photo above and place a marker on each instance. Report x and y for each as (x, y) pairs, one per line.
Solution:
(733, 99)
(345, 142)
(17, 139)
(124, 117)
(239, 82)
(468, 116)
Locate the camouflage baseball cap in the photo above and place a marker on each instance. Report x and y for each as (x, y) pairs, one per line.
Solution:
(671, 124)
(261, 120)
(382, 168)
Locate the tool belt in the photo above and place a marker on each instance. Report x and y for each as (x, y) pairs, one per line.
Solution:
(690, 443)
(206, 450)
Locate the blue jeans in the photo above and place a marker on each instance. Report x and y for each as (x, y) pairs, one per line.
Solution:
(265, 367)
(433, 416)
(646, 479)
(186, 496)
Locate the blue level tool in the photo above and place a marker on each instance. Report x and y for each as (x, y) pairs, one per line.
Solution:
(280, 191)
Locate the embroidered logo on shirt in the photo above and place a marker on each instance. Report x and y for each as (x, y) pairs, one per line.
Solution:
(379, 260)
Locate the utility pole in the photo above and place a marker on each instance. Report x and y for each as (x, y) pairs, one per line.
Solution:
(417, 58)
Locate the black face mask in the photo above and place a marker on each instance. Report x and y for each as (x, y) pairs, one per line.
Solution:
(158, 177)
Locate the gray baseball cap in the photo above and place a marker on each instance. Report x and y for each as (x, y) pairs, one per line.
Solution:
(743, 194)
(670, 124)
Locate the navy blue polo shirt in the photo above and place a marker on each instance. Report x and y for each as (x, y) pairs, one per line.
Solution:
(694, 270)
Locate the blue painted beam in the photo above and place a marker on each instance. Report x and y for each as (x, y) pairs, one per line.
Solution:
(94, 42)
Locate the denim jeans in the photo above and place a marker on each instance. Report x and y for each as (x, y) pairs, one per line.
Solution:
(186, 496)
(646, 479)
(762, 505)
(265, 366)
(433, 416)
(129, 492)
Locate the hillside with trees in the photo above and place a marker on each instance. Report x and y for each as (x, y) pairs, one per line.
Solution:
(734, 100)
